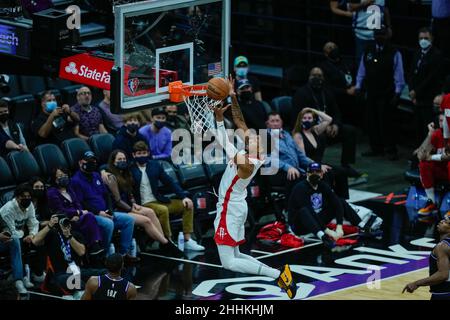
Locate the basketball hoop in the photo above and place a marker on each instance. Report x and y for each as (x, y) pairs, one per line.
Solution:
(200, 106)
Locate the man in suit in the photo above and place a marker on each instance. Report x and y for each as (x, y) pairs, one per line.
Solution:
(146, 174)
(425, 80)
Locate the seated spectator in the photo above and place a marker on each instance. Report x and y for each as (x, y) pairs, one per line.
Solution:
(158, 136)
(92, 193)
(113, 122)
(434, 164)
(17, 213)
(241, 68)
(10, 130)
(312, 205)
(12, 245)
(292, 161)
(39, 199)
(253, 110)
(316, 95)
(175, 120)
(91, 120)
(308, 134)
(66, 251)
(62, 200)
(120, 183)
(129, 134)
(146, 175)
(54, 124)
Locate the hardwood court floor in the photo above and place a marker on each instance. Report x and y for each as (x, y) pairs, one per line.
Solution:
(391, 289)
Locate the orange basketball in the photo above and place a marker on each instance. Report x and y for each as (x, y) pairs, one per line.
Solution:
(218, 89)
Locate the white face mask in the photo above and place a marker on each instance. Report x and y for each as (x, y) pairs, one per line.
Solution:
(424, 43)
(242, 72)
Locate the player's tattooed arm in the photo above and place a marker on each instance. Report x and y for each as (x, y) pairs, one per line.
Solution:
(238, 118)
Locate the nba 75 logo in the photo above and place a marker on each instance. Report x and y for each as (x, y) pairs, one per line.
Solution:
(133, 85)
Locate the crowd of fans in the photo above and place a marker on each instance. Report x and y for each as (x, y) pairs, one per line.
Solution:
(73, 215)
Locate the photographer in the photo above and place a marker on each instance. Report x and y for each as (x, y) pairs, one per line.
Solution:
(65, 250)
(55, 123)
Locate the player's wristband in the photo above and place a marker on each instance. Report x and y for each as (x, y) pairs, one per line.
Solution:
(436, 157)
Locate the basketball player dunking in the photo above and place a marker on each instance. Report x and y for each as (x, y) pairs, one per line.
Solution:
(110, 286)
(439, 279)
(231, 205)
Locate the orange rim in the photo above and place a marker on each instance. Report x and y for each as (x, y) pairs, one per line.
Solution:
(178, 90)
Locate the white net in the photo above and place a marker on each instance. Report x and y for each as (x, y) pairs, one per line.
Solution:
(201, 112)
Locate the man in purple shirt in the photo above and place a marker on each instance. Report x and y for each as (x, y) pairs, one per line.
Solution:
(381, 71)
(113, 122)
(158, 136)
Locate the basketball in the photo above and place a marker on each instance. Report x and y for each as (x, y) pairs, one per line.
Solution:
(218, 88)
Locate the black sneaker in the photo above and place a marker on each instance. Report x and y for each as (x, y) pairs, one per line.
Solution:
(328, 242)
(171, 249)
(95, 249)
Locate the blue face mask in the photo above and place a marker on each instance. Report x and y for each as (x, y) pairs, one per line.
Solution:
(424, 43)
(241, 72)
(50, 106)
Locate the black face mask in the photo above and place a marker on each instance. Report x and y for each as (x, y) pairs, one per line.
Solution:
(335, 54)
(314, 179)
(25, 203)
(160, 124)
(121, 165)
(4, 117)
(38, 193)
(171, 119)
(63, 182)
(307, 124)
(246, 96)
(132, 128)
(316, 83)
(89, 166)
(142, 160)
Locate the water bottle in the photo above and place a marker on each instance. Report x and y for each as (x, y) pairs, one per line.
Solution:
(27, 271)
(181, 241)
(111, 250)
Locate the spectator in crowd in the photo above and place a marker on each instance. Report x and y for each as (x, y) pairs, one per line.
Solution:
(158, 136)
(253, 110)
(312, 205)
(381, 71)
(66, 251)
(129, 134)
(315, 94)
(39, 199)
(425, 80)
(308, 135)
(93, 195)
(120, 182)
(17, 213)
(10, 130)
(91, 120)
(434, 164)
(12, 245)
(440, 11)
(146, 175)
(113, 122)
(62, 200)
(346, 8)
(339, 78)
(241, 68)
(292, 161)
(54, 124)
(175, 120)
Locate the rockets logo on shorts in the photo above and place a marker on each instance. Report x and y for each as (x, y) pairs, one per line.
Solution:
(222, 233)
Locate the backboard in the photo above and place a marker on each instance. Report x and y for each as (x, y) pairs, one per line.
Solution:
(161, 41)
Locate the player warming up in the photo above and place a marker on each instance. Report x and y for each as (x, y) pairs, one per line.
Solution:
(231, 205)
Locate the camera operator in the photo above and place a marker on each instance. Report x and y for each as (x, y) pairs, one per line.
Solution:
(55, 123)
(66, 251)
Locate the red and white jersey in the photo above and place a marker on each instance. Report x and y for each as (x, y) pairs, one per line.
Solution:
(445, 107)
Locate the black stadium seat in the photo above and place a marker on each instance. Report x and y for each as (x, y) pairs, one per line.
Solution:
(7, 179)
(23, 166)
(23, 109)
(192, 176)
(49, 157)
(283, 105)
(215, 172)
(73, 150)
(101, 144)
(69, 94)
(171, 171)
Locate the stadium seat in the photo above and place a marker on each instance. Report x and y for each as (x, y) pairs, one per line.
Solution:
(23, 166)
(171, 171)
(7, 179)
(32, 84)
(5, 197)
(23, 110)
(192, 176)
(69, 94)
(214, 172)
(267, 107)
(14, 87)
(101, 144)
(73, 150)
(49, 157)
(283, 106)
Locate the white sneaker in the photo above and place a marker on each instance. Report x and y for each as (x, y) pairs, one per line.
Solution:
(38, 279)
(20, 287)
(77, 295)
(191, 244)
(28, 284)
(67, 297)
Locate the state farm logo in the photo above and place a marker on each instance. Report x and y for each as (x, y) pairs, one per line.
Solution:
(88, 73)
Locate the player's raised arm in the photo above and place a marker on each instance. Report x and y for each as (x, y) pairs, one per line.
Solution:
(238, 118)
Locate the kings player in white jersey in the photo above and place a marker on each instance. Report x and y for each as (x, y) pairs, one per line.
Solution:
(232, 207)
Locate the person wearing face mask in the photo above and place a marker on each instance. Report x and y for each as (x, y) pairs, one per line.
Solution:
(54, 124)
(254, 113)
(88, 186)
(158, 136)
(175, 120)
(91, 119)
(312, 205)
(10, 131)
(241, 68)
(129, 134)
(425, 80)
(17, 214)
(381, 73)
